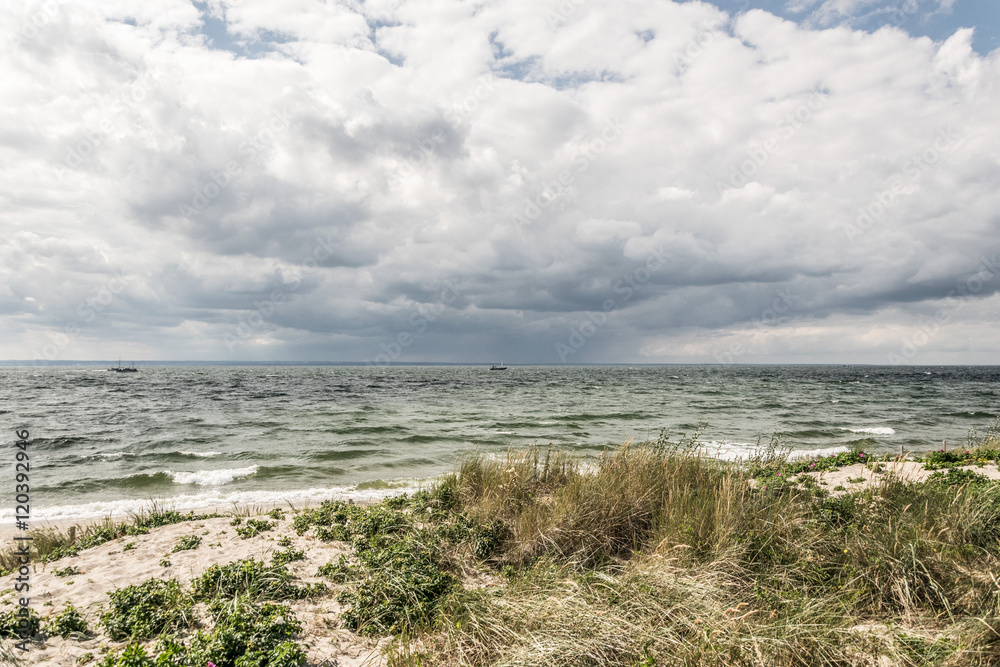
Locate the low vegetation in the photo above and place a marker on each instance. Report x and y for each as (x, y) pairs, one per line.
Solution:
(51, 544)
(650, 555)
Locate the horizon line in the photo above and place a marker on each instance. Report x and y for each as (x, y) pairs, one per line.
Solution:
(247, 362)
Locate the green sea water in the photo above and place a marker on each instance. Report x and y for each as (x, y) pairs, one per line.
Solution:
(193, 435)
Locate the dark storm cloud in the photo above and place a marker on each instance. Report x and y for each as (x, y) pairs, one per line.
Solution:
(664, 182)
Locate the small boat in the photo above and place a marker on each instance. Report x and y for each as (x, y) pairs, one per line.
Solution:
(501, 367)
(124, 369)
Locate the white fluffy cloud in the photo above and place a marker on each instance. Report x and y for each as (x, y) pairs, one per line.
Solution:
(538, 181)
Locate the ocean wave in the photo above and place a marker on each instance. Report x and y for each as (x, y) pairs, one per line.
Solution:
(200, 454)
(211, 477)
(221, 502)
(728, 451)
(873, 430)
(111, 455)
(825, 451)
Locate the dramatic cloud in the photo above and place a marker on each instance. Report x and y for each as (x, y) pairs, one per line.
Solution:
(542, 182)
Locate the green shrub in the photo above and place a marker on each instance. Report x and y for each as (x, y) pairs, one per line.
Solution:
(248, 635)
(9, 626)
(254, 527)
(186, 542)
(243, 635)
(401, 590)
(339, 572)
(68, 571)
(252, 579)
(145, 610)
(70, 621)
(134, 655)
(287, 556)
(958, 477)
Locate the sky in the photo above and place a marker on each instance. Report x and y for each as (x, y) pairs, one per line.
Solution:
(527, 181)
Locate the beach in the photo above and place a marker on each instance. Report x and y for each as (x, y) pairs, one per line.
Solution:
(478, 560)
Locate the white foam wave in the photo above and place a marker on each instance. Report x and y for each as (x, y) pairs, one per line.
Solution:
(874, 430)
(215, 500)
(732, 451)
(200, 454)
(825, 451)
(211, 477)
(111, 455)
(728, 451)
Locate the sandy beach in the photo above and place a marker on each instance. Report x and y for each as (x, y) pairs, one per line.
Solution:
(130, 560)
(910, 471)
(109, 566)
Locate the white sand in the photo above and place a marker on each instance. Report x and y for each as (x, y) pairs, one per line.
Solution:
(910, 471)
(107, 567)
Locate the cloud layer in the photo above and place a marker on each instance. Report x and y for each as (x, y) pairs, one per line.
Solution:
(543, 182)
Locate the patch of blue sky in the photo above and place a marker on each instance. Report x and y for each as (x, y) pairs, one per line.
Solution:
(216, 29)
(937, 19)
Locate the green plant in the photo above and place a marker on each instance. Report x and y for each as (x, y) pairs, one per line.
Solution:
(69, 622)
(287, 556)
(958, 477)
(251, 579)
(147, 609)
(186, 542)
(401, 590)
(128, 546)
(13, 623)
(339, 572)
(243, 635)
(254, 527)
(67, 571)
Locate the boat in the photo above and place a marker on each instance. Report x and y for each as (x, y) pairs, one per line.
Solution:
(124, 369)
(501, 367)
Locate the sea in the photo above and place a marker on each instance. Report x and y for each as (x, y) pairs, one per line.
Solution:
(104, 443)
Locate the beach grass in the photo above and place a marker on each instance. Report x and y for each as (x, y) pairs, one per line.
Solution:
(648, 554)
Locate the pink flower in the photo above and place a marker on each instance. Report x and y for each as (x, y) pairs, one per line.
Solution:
(211, 664)
(862, 455)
